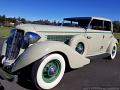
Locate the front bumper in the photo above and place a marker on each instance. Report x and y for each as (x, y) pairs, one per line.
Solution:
(5, 72)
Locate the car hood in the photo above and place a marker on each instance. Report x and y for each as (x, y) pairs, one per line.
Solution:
(48, 28)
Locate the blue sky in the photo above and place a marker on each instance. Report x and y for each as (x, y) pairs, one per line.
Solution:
(58, 9)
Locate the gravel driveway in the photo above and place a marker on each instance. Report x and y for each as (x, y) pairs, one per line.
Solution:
(100, 74)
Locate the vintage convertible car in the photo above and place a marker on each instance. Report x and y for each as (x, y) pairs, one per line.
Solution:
(41, 53)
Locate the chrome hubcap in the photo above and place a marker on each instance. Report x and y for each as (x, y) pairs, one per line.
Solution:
(113, 51)
(51, 71)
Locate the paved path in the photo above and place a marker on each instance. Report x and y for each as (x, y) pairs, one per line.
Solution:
(100, 74)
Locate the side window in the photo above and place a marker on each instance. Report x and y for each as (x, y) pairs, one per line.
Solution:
(107, 26)
(70, 23)
(96, 24)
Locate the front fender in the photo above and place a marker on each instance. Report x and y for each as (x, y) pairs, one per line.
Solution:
(39, 50)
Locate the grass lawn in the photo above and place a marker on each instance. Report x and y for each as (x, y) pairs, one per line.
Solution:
(117, 35)
(4, 31)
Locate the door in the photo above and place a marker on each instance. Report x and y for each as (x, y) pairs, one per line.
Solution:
(94, 37)
(107, 34)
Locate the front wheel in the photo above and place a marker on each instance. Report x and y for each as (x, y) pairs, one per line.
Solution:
(48, 72)
(113, 51)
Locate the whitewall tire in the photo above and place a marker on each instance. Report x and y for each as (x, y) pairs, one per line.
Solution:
(48, 72)
(113, 51)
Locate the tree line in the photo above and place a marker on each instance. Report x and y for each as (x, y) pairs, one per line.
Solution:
(116, 26)
(13, 21)
(6, 21)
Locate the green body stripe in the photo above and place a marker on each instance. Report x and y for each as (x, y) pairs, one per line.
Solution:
(62, 38)
(72, 32)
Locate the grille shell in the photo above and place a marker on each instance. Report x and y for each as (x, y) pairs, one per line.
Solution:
(13, 44)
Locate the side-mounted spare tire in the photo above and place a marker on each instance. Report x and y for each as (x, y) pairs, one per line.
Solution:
(79, 44)
(48, 72)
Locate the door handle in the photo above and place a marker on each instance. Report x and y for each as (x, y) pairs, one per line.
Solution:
(103, 36)
(89, 37)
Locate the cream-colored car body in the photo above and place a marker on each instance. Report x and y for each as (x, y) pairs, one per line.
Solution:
(52, 41)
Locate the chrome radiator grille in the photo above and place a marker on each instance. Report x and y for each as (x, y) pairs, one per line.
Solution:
(13, 44)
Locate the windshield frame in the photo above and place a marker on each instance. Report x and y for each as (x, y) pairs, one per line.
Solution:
(78, 20)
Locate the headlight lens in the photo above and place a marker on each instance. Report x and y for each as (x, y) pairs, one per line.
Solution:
(30, 38)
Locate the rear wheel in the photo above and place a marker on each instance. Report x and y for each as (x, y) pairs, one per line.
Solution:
(113, 51)
(48, 72)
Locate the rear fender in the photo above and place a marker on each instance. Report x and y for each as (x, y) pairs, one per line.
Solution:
(112, 42)
(39, 50)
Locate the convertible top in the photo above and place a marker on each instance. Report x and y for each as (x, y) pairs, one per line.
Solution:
(83, 18)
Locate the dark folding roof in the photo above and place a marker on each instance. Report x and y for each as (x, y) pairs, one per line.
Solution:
(76, 18)
(80, 18)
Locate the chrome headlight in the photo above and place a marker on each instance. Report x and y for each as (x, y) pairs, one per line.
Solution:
(30, 38)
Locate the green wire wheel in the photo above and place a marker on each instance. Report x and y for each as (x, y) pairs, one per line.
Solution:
(48, 71)
(51, 71)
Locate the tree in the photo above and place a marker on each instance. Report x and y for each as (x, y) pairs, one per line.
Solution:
(23, 20)
(116, 26)
(4, 17)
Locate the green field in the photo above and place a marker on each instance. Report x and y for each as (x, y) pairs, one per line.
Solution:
(4, 32)
(117, 35)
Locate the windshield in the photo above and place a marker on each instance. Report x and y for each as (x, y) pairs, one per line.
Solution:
(76, 22)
